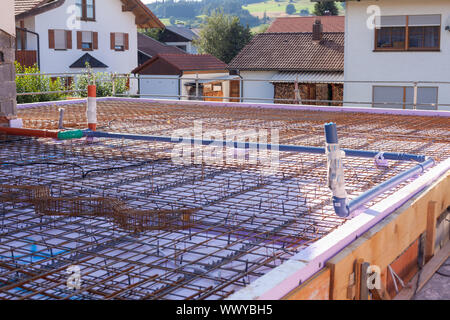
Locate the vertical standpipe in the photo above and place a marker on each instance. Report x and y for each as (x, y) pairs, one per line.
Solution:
(335, 166)
(92, 107)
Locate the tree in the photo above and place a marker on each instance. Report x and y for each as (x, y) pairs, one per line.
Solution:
(222, 36)
(154, 33)
(326, 8)
(290, 8)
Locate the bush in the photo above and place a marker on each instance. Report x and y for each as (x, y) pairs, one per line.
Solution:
(103, 81)
(37, 83)
(290, 8)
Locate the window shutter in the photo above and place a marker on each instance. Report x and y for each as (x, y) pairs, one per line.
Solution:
(126, 41)
(95, 41)
(113, 40)
(79, 39)
(69, 39)
(51, 39)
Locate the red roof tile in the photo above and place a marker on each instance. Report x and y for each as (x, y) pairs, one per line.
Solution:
(187, 62)
(304, 24)
(292, 52)
(22, 6)
(153, 47)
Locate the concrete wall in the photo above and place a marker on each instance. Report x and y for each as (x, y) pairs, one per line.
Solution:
(109, 18)
(190, 48)
(362, 63)
(258, 89)
(7, 17)
(159, 88)
(7, 57)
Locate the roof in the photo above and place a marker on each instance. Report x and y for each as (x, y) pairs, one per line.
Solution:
(144, 17)
(185, 33)
(187, 62)
(309, 77)
(292, 52)
(152, 47)
(304, 24)
(23, 7)
(87, 58)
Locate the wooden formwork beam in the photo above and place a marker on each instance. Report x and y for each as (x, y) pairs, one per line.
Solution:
(316, 288)
(382, 244)
(430, 241)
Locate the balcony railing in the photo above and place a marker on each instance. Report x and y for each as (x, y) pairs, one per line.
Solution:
(26, 58)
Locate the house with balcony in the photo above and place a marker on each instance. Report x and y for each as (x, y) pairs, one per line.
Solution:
(397, 54)
(62, 35)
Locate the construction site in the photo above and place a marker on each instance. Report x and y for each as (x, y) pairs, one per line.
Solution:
(112, 206)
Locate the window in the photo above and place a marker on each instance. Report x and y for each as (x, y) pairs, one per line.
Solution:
(401, 33)
(119, 41)
(21, 40)
(60, 39)
(87, 40)
(403, 97)
(86, 9)
(119, 45)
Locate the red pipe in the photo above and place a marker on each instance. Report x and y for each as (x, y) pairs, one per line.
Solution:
(30, 132)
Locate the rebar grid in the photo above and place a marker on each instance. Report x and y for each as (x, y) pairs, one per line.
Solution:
(244, 223)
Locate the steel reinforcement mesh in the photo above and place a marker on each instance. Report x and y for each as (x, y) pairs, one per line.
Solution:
(131, 223)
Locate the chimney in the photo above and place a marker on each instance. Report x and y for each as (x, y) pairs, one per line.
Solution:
(317, 31)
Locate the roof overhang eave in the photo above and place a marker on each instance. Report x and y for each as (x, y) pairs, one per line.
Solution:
(40, 9)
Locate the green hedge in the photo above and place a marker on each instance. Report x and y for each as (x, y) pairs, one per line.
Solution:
(31, 83)
(103, 81)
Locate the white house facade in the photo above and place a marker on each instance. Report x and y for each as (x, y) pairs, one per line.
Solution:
(71, 32)
(410, 43)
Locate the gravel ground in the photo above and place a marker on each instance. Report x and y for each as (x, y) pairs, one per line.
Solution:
(438, 288)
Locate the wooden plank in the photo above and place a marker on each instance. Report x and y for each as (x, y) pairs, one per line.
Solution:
(364, 291)
(357, 270)
(390, 237)
(316, 288)
(425, 275)
(405, 266)
(431, 230)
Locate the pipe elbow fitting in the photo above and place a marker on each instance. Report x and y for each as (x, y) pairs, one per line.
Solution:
(341, 207)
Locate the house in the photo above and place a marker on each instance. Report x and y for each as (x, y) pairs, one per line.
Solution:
(303, 24)
(149, 48)
(302, 67)
(409, 42)
(7, 83)
(180, 37)
(186, 76)
(62, 35)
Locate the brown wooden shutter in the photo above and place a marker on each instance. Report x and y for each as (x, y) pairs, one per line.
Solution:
(126, 41)
(51, 39)
(69, 39)
(79, 40)
(113, 41)
(95, 40)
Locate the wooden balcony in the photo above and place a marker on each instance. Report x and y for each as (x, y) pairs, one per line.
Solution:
(26, 58)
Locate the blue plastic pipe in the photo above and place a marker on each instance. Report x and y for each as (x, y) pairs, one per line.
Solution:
(389, 184)
(247, 145)
(339, 204)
